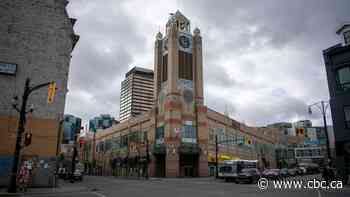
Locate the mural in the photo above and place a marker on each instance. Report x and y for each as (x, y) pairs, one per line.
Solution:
(187, 91)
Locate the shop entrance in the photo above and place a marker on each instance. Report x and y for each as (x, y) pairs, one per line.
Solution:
(160, 165)
(188, 165)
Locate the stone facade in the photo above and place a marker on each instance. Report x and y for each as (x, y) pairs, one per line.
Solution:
(37, 36)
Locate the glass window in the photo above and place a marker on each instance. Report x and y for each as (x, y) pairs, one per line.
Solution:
(343, 78)
(188, 134)
(160, 135)
(347, 116)
(347, 37)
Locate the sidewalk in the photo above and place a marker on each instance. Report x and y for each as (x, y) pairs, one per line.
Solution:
(63, 187)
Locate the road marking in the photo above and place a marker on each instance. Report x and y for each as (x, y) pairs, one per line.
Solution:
(98, 194)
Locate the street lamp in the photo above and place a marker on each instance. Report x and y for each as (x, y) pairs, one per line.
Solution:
(323, 106)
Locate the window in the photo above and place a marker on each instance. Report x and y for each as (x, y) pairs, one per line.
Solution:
(185, 65)
(347, 37)
(165, 68)
(347, 116)
(189, 134)
(343, 79)
(160, 135)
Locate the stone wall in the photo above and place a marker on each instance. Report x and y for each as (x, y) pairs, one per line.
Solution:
(37, 36)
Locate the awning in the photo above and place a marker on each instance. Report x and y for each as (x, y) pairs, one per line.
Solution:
(222, 157)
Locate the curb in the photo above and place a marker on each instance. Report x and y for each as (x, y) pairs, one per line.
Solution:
(52, 191)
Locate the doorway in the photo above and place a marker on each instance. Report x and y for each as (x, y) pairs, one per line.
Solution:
(188, 165)
(160, 165)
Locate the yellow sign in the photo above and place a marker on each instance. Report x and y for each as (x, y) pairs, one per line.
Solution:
(51, 92)
(248, 141)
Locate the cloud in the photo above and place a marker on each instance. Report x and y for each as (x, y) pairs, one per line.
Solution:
(263, 59)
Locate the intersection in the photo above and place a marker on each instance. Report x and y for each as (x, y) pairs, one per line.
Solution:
(173, 187)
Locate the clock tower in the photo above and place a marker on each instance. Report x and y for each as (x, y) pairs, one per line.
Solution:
(181, 131)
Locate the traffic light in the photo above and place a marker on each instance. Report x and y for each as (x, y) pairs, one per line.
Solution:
(51, 92)
(27, 139)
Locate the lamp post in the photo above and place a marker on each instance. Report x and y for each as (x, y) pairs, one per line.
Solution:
(216, 157)
(147, 156)
(216, 153)
(21, 125)
(323, 106)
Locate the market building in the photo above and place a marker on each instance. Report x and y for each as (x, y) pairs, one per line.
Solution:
(177, 136)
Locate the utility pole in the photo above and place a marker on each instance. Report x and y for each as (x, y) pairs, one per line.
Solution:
(75, 152)
(216, 157)
(322, 105)
(326, 129)
(147, 156)
(12, 188)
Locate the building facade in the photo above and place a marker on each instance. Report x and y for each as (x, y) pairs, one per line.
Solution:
(36, 42)
(103, 121)
(136, 95)
(337, 62)
(177, 136)
(305, 143)
(71, 127)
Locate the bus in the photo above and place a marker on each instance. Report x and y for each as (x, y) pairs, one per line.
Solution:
(230, 168)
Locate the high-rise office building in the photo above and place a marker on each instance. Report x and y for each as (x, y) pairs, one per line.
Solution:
(71, 127)
(136, 95)
(337, 61)
(103, 121)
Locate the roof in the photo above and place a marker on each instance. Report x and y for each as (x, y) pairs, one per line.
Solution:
(342, 27)
(174, 16)
(139, 70)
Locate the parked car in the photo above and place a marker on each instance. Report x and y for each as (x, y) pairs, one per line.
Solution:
(284, 172)
(248, 175)
(310, 168)
(271, 173)
(303, 170)
(292, 171)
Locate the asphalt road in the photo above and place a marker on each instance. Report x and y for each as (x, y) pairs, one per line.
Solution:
(201, 187)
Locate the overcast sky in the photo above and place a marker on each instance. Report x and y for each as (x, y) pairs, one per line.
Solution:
(262, 59)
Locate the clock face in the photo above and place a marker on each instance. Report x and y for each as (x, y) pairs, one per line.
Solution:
(184, 42)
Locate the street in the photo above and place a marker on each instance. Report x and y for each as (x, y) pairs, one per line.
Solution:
(201, 187)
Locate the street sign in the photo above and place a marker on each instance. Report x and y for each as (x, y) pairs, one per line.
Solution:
(8, 68)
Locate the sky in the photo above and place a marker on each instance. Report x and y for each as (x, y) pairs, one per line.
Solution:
(262, 60)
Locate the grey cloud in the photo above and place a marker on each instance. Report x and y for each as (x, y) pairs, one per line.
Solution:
(244, 38)
(101, 57)
(217, 75)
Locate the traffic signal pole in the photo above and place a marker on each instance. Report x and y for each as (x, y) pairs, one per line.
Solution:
(322, 105)
(12, 188)
(326, 130)
(216, 157)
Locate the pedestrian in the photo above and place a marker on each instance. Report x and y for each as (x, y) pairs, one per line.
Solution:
(326, 174)
(23, 178)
